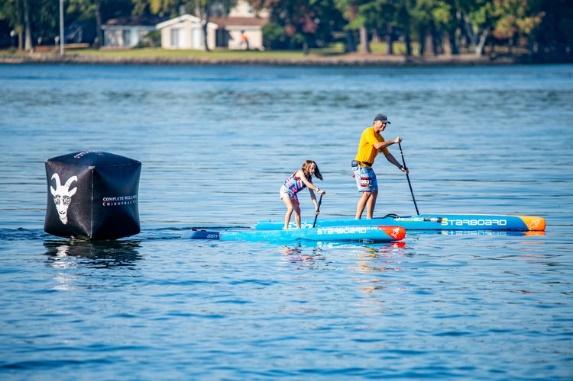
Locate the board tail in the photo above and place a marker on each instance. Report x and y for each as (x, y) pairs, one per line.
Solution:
(205, 234)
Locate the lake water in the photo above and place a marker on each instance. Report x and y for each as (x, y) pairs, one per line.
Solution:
(216, 144)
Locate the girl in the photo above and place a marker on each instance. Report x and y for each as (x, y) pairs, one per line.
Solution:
(299, 180)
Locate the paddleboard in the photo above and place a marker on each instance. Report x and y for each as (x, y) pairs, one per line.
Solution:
(430, 222)
(372, 233)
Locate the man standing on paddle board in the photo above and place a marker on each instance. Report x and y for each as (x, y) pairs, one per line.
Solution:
(371, 142)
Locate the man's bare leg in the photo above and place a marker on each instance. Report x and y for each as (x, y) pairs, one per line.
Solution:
(371, 204)
(361, 204)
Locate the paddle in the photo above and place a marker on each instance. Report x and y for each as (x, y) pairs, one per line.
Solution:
(317, 210)
(408, 177)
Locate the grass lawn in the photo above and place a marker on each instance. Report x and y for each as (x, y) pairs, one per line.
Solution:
(336, 49)
(333, 54)
(218, 54)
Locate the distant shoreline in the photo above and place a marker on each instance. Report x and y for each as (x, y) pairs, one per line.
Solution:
(311, 60)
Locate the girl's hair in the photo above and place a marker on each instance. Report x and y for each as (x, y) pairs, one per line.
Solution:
(305, 167)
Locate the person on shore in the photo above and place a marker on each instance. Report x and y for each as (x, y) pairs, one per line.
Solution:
(371, 142)
(244, 39)
(297, 181)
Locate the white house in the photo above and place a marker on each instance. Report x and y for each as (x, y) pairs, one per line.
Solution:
(240, 33)
(126, 33)
(186, 32)
(243, 25)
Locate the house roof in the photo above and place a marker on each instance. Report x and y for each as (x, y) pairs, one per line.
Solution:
(239, 21)
(133, 21)
(181, 19)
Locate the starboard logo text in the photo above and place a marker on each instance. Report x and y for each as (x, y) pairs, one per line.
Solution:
(475, 222)
(342, 230)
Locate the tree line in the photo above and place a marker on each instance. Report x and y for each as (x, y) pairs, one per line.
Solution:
(542, 28)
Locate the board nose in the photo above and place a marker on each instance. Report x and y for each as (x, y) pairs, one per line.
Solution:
(534, 223)
(396, 232)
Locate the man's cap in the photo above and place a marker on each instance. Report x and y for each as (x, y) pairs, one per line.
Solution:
(382, 118)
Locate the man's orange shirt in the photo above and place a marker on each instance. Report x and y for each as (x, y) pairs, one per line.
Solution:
(366, 151)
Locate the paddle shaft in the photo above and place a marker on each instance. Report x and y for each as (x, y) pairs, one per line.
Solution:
(408, 177)
(317, 210)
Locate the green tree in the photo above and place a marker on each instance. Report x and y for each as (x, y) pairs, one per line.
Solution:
(553, 38)
(452, 23)
(373, 18)
(32, 20)
(482, 19)
(27, 25)
(306, 23)
(420, 24)
(88, 9)
(13, 12)
(424, 22)
(19, 15)
(389, 18)
(404, 23)
(515, 19)
(168, 8)
(354, 21)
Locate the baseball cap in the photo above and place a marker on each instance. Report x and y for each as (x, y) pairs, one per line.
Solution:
(382, 118)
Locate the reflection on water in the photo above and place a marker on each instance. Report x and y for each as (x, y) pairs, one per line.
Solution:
(304, 255)
(377, 261)
(71, 258)
(484, 233)
(371, 260)
(105, 254)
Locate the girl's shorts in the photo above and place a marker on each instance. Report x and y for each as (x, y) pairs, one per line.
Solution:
(285, 192)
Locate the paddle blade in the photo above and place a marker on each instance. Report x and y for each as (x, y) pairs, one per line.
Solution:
(396, 232)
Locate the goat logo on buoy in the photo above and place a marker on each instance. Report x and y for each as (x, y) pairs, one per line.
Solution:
(63, 196)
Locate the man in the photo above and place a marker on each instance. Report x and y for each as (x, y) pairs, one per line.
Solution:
(371, 142)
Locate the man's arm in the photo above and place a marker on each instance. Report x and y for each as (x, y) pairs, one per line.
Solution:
(393, 160)
(380, 146)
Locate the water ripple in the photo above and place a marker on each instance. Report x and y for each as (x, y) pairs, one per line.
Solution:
(216, 143)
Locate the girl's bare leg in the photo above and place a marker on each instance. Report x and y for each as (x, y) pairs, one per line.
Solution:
(297, 218)
(290, 208)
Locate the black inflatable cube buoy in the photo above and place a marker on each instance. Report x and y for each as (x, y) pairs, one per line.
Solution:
(92, 195)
